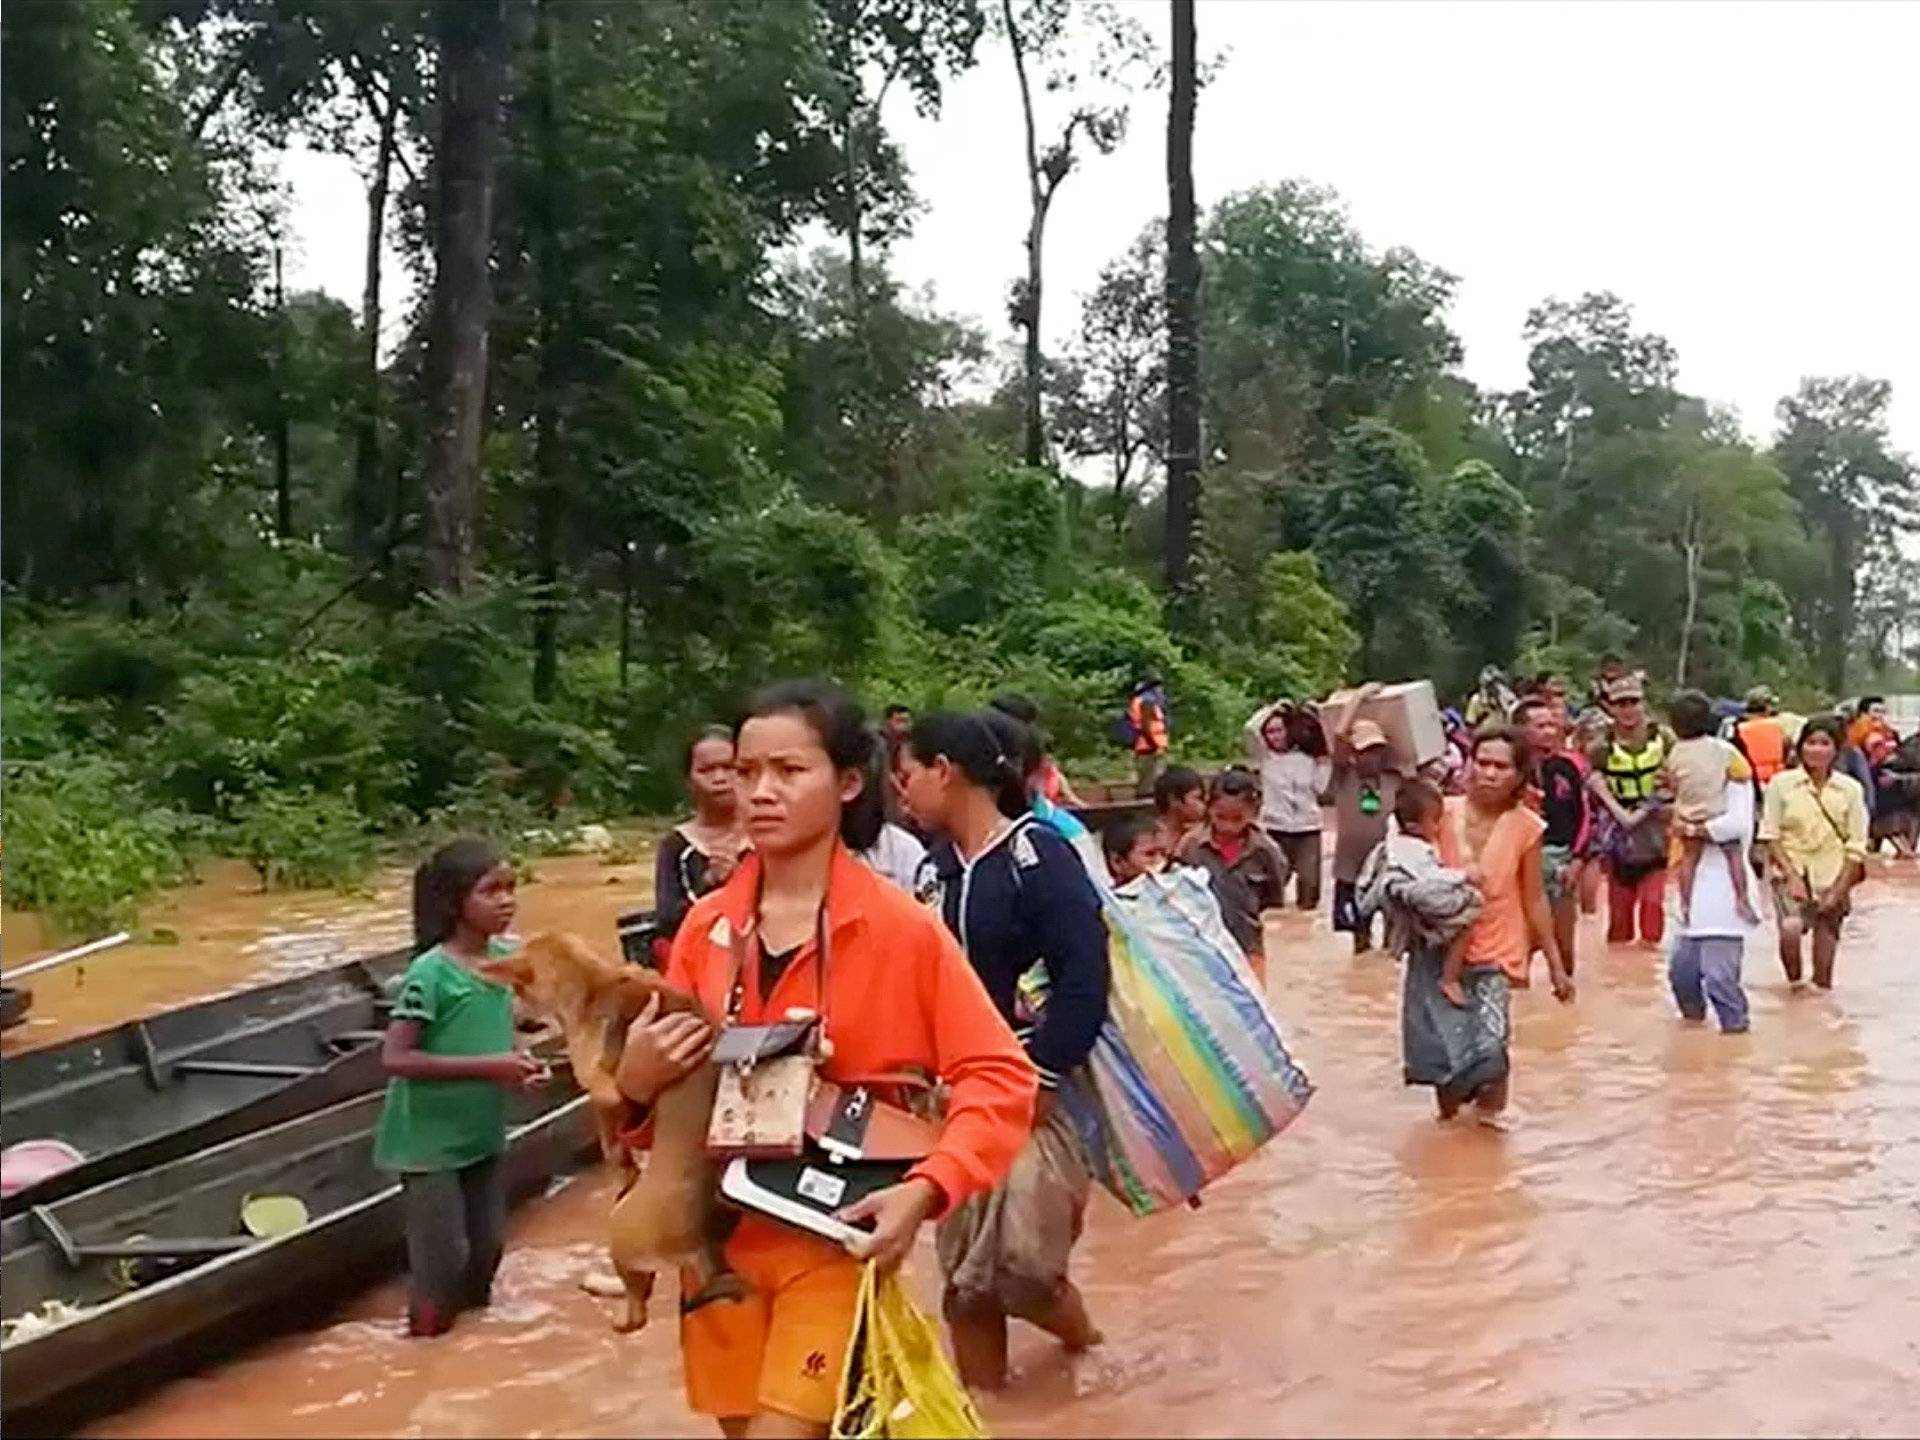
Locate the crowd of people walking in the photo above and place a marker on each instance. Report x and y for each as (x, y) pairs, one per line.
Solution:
(920, 891)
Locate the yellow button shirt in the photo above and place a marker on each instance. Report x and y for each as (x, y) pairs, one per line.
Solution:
(1819, 829)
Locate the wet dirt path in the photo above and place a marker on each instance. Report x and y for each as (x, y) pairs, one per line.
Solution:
(1685, 1234)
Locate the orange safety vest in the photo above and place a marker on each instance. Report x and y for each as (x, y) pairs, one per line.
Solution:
(1765, 741)
(1149, 735)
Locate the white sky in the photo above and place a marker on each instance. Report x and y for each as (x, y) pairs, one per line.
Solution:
(1742, 172)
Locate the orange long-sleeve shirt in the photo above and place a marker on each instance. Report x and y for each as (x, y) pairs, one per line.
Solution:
(901, 996)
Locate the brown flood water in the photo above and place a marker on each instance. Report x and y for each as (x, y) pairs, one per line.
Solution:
(1685, 1234)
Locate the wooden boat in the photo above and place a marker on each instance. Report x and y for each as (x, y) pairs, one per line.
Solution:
(155, 1089)
(168, 1278)
(15, 1001)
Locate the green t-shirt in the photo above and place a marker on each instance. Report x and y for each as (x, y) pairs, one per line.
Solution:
(435, 1125)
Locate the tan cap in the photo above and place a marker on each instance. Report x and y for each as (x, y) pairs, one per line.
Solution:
(1627, 687)
(1366, 735)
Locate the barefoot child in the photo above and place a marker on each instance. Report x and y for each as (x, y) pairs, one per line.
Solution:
(449, 1049)
(1418, 812)
(1699, 769)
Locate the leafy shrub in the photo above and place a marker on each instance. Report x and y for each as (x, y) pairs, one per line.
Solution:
(300, 839)
(86, 846)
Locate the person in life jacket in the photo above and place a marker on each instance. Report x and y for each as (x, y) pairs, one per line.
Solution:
(1761, 737)
(1147, 718)
(1626, 783)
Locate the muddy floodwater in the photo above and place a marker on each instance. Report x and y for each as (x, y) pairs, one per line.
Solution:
(1684, 1234)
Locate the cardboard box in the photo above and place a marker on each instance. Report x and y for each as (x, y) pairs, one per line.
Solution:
(1408, 712)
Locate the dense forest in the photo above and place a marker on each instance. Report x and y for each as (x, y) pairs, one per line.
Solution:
(660, 423)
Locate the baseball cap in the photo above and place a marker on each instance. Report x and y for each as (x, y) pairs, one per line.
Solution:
(1366, 735)
(1760, 697)
(1627, 687)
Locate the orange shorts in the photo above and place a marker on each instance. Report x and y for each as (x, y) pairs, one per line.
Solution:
(783, 1347)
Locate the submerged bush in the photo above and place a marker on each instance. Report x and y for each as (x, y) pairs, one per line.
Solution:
(86, 847)
(298, 839)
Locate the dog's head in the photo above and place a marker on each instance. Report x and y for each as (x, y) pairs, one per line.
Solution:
(560, 977)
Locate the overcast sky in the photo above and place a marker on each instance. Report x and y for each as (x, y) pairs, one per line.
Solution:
(1743, 173)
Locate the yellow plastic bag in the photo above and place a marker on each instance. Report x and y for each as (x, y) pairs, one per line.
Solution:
(898, 1383)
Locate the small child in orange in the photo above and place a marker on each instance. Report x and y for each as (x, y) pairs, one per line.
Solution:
(1698, 771)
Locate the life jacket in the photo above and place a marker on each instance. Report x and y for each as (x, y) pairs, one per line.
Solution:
(1149, 729)
(1765, 742)
(1633, 775)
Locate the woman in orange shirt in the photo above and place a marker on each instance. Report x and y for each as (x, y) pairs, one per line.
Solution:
(1462, 1051)
(898, 995)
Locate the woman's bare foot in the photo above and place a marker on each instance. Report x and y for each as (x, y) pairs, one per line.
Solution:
(1499, 1121)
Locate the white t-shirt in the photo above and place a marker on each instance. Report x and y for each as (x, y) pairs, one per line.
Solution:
(1713, 909)
(896, 855)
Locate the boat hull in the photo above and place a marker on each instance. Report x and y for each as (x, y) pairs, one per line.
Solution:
(167, 1328)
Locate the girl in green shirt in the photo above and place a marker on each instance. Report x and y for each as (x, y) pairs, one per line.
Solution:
(449, 1048)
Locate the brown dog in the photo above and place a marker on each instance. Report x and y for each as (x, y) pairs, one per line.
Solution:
(669, 1214)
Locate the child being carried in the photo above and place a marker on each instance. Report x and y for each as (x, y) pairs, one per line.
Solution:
(1698, 771)
(1427, 903)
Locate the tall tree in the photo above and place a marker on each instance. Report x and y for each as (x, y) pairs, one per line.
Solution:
(869, 45)
(1041, 35)
(1111, 399)
(1183, 312)
(471, 83)
(1858, 494)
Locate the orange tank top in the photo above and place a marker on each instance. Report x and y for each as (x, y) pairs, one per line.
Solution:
(1501, 936)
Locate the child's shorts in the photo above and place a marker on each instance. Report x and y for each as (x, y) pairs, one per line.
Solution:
(782, 1348)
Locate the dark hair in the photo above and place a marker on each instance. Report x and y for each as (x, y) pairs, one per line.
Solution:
(840, 725)
(1012, 702)
(1691, 714)
(1526, 705)
(1827, 725)
(987, 747)
(700, 737)
(1867, 702)
(861, 826)
(1515, 740)
(441, 886)
(898, 709)
(1416, 801)
(1236, 782)
(1173, 784)
(1119, 838)
(1306, 734)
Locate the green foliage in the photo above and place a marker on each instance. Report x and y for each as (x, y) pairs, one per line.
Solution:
(85, 846)
(1306, 645)
(295, 839)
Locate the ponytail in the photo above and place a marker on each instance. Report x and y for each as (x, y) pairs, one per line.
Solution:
(987, 747)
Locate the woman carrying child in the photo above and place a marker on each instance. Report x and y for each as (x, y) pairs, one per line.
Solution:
(1016, 894)
(1462, 1051)
(449, 1048)
(893, 993)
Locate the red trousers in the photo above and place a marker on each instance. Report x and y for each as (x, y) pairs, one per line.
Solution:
(1646, 898)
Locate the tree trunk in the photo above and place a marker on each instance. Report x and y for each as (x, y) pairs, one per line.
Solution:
(1690, 551)
(363, 505)
(282, 421)
(1033, 423)
(626, 612)
(1183, 315)
(1034, 447)
(1839, 607)
(549, 498)
(856, 270)
(472, 76)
